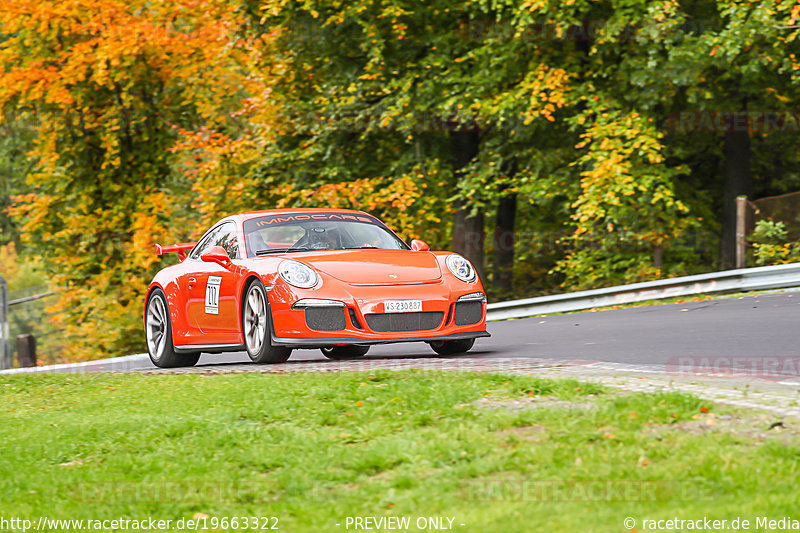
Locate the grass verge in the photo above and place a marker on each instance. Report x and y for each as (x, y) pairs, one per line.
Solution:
(493, 452)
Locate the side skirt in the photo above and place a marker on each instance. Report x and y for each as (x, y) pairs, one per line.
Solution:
(209, 348)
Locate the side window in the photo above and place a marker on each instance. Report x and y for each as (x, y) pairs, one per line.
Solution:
(205, 244)
(227, 239)
(223, 235)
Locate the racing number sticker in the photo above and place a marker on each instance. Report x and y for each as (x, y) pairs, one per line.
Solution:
(212, 295)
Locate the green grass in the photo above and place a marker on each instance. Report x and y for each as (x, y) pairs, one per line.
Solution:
(313, 449)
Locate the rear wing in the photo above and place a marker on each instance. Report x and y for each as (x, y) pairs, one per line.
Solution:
(182, 249)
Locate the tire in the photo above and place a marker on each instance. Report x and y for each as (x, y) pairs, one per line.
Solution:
(339, 353)
(257, 328)
(452, 347)
(158, 335)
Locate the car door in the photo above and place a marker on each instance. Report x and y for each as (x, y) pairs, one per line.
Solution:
(211, 288)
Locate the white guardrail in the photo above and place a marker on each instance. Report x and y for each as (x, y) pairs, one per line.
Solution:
(744, 279)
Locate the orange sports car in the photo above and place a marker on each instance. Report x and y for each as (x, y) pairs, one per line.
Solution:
(334, 279)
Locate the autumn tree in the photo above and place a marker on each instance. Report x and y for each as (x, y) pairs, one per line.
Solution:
(467, 123)
(16, 140)
(707, 75)
(486, 97)
(374, 89)
(107, 83)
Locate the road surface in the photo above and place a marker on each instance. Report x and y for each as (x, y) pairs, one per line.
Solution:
(750, 332)
(764, 326)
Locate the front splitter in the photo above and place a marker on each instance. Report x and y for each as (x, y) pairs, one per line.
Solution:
(315, 343)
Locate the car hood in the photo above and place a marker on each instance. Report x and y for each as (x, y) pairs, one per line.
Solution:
(375, 267)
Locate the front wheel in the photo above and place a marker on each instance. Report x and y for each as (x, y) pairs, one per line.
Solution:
(256, 328)
(350, 351)
(158, 332)
(452, 347)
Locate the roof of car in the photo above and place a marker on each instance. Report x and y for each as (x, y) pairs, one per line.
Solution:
(252, 214)
(241, 218)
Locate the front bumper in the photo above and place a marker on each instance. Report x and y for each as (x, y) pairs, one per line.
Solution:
(363, 320)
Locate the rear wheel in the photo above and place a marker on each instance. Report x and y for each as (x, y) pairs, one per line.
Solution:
(158, 332)
(350, 351)
(256, 328)
(452, 347)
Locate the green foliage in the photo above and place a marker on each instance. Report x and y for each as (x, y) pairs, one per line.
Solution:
(769, 232)
(770, 246)
(555, 126)
(16, 140)
(20, 272)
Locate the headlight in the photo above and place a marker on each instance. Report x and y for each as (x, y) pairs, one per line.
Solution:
(297, 274)
(461, 268)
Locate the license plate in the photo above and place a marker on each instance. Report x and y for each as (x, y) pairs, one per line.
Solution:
(402, 306)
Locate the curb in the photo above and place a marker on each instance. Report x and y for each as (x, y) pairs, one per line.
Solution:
(112, 364)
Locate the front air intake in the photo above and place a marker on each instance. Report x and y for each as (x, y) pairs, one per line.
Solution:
(325, 318)
(469, 312)
(404, 321)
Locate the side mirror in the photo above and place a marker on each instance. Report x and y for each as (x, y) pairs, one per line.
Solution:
(420, 246)
(216, 254)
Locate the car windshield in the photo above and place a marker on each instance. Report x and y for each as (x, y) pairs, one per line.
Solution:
(295, 232)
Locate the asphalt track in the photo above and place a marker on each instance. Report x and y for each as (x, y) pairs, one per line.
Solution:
(729, 332)
(754, 335)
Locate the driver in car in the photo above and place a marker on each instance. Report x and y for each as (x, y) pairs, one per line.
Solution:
(324, 239)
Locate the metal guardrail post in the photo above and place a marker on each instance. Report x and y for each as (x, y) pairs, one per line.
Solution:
(26, 351)
(5, 349)
(741, 240)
